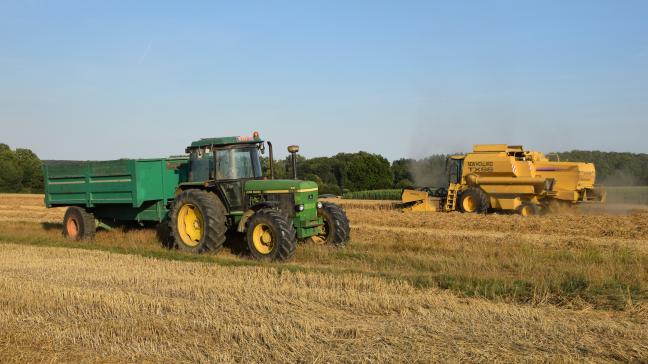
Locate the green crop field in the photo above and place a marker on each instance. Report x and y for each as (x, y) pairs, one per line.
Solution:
(374, 195)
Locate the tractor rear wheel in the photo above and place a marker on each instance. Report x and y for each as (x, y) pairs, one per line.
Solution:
(528, 209)
(473, 200)
(78, 224)
(335, 230)
(198, 221)
(270, 236)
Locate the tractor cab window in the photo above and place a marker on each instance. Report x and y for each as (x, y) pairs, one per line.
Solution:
(238, 163)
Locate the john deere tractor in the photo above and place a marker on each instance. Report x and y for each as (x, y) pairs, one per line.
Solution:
(226, 191)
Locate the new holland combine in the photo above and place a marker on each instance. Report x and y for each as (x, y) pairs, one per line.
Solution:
(499, 177)
(218, 188)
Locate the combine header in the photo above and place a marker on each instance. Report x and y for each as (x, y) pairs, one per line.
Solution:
(499, 177)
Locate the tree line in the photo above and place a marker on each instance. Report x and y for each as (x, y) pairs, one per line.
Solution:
(21, 170)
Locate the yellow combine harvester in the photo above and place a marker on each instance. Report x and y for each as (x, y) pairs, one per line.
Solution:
(500, 177)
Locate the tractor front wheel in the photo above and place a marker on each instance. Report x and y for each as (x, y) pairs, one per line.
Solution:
(78, 224)
(198, 221)
(270, 236)
(335, 230)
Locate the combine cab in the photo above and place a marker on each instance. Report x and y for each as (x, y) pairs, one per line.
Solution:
(498, 177)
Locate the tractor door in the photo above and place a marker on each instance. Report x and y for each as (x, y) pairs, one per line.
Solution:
(235, 166)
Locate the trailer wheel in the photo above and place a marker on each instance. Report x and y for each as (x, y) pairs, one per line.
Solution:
(78, 224)
(270, 236)
(198, 221)
(528, 209)
(473, 200)
(335, 230)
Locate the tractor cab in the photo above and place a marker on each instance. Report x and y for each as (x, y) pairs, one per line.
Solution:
(225, 158)
(226, 164)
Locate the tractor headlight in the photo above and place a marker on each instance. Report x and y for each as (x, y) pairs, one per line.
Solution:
(319, 205)
(299, 208)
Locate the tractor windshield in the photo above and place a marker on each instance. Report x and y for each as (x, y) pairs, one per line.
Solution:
(237, 163)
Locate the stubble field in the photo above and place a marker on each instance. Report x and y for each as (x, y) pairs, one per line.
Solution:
(425, 287)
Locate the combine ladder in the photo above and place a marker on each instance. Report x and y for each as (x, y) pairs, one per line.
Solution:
(451, 200)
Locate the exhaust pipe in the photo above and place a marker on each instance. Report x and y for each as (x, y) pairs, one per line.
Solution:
(293, 149)
(271, 156)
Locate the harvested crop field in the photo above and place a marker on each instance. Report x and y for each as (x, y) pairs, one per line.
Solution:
(427, 287)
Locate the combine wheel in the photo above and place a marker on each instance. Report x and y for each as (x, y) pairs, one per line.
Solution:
(78, 224)
(528, 209)
(198, 221)
(270, 236)
(473, 200)
(335, 230)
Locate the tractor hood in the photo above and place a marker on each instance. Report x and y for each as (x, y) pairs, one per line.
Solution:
(280, 185)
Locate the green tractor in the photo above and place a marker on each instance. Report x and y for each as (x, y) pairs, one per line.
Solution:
(226, 191)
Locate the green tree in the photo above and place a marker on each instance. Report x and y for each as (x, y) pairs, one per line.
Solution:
(31, 167)
(363, 171)
(11, 174)
(402, 171)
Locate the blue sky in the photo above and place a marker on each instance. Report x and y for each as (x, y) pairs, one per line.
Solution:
(109, 79)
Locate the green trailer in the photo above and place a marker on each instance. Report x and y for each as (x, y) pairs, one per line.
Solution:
(218, 187)
(120, 190)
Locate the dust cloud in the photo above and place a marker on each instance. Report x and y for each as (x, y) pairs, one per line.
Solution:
(429, 172)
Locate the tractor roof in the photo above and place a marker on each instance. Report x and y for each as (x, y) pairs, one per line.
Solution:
(246, 139)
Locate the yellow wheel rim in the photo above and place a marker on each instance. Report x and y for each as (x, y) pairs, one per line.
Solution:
(324, 231)
(469, 204)
(262, 238)
(525, 211)
(191, 225)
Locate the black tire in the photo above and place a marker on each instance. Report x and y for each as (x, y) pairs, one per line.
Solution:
(214, 221)
(528, 209)
(164, 234)
(79, 224)
(478, 196)
(336, 224)
(283, 238)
